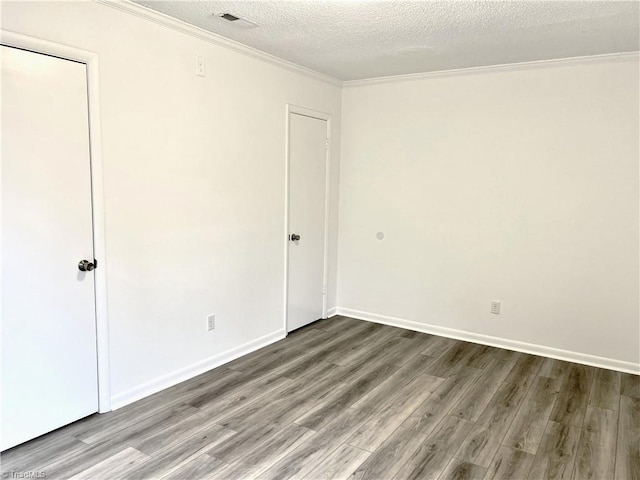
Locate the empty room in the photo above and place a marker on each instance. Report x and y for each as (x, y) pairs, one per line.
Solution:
(320, 239)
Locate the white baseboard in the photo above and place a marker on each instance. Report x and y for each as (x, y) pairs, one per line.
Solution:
(331, 312)
(541, 350)
(166, 381)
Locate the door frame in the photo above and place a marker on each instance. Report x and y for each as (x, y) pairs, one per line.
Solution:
(306, 112)
(90, 59)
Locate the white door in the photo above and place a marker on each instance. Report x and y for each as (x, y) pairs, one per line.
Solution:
(307, 191)
(49, 365)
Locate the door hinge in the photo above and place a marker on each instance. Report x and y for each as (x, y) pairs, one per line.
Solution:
(326, 144)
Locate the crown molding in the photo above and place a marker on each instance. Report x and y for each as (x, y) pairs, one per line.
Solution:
(202, 34)
(607, 57)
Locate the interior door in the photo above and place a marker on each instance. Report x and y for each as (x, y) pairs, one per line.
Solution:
(49, 364)
(307, 191)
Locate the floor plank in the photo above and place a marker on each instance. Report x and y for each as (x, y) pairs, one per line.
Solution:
(460, 354)
(285, 405)
(556, 456)
(431, 412)
(571, 405)
(172, 457)
(476, 399)
(115, 467)
(596, 454)
(391, 456)
(606, 390)
(461, 470)
(436, 451)
(202, 467)
(358, 350)
(69, 463)
(345, 460)
(509, 464)
(485, 438)
(307, 456)
(334, 405)
(553, 368)
(628, 444)
(266, 454)
(630, 385)
(375, 430)
(386, 392)
(439, 346)
(530, 422)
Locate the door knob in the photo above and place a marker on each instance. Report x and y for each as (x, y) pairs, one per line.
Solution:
(86, 265)
(295, 237)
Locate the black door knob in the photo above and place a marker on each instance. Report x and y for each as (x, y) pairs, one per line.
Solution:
(86, 266)
(295, 237)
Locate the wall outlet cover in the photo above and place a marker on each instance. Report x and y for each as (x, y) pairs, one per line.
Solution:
(495, 307)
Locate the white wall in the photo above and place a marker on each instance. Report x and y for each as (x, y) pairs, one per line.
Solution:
(194, 187)
(519, 185)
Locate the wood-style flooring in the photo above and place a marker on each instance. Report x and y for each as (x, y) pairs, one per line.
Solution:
(343, 398)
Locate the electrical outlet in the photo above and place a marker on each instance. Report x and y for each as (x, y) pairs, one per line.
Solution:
(211, 322)
(200, 67)
(495, 307)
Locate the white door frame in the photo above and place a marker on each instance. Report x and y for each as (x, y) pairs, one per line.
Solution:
(307, 112)
(38, 45)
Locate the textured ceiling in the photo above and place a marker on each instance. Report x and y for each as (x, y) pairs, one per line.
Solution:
(356, 39)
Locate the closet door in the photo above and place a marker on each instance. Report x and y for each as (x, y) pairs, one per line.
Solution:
(49, 364)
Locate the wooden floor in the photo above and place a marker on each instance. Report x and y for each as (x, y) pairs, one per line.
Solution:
(343, 398)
